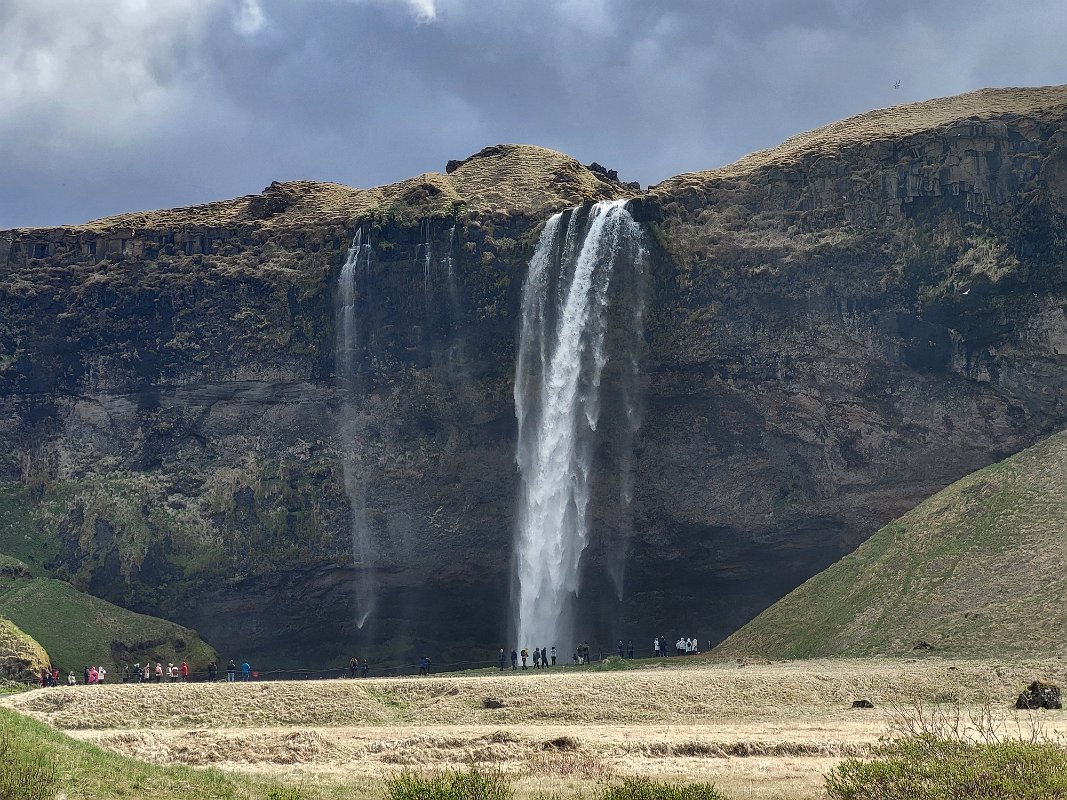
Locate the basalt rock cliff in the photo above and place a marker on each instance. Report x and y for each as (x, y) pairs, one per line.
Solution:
(834, 330)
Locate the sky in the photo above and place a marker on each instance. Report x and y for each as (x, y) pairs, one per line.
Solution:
(109, 106)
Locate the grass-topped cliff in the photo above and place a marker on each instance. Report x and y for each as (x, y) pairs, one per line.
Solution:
(833, 330)
(978, 569)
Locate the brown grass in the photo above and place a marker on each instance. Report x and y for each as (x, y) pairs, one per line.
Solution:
(759, 730)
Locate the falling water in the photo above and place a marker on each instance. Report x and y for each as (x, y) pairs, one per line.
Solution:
(562, 356)
(348, 359)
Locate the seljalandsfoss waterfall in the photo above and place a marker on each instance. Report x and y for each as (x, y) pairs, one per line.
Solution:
(348, 360)
(581, 319)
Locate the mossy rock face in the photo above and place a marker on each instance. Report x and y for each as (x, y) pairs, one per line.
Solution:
(21, 657)
(834, 330)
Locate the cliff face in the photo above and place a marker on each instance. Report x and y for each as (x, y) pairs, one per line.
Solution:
(835, 329)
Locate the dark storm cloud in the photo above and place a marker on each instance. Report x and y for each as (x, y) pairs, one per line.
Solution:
(121, 105)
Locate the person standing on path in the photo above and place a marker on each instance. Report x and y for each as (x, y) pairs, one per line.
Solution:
(500, 659)
(630, 649)
(525, 655)
(553, 655)
(514, 660)
(246, 671)
(185, 671)
(231, 672)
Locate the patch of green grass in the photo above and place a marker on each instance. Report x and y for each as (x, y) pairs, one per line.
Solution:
(19, 537)
(78, 629)
(470, 784)
(648, 789)
(38, 756)
(967, 571)
(939, 768)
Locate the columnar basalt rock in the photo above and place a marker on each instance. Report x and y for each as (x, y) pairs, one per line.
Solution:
(835, 329)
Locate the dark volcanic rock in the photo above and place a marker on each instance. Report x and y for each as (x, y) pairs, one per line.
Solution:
(834, 330)
(1040, 695)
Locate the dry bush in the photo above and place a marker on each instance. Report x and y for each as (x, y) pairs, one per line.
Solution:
(569, 764)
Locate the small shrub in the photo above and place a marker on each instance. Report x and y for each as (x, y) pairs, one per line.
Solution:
(472, 784)
(285, 793)
(25, 773)
(647, 789)
(941, 768)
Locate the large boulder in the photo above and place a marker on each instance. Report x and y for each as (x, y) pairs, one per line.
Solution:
(1040, 695)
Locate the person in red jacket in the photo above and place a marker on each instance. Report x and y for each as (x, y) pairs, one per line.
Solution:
(185, 671)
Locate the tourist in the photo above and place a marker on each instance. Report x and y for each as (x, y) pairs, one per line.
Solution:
(147, 674)
(212, 671)
(159, 672)
(553, 655)
(537, 658)
(85, 675)
(514, 661)
(93, 674)
(630, 649)
(663, 647)
(525, 654)
(353, 666)
(500, 659)
(55, 676)
(622, 649)
(364, 668)
(544, 658)
(185, 671)
(246, 671)
(71, 680)
(696, 647)
(655, 647)
(231, 672)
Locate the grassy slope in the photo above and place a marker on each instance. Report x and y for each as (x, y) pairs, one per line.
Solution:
(77, 629)
(978, 569)
(20, 655)
(85, 771)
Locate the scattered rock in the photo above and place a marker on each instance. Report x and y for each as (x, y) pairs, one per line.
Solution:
(1040, 695)
(922, 644)
(561, 743)
(493, 702)
(862, 704)
(273, 200)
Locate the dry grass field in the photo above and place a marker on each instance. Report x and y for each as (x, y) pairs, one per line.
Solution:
(766, 730)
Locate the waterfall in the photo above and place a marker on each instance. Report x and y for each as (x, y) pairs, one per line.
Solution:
(566, 309)
(348, 356)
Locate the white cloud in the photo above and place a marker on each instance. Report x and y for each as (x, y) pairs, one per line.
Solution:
(249, 19)
(425, 10)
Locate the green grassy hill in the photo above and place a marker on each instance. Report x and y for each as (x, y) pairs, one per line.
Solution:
(978, 569)
(20, 656)
(78, 629)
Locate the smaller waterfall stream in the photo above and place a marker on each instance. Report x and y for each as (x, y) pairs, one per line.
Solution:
(561, 360)
(348, 355)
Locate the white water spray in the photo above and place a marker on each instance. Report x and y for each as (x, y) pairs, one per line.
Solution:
(561, 359)
(348, 357)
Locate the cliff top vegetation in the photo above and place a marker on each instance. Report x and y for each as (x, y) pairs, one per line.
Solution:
(884, 124)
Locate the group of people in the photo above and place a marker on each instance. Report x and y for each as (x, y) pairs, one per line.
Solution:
(357, 668)
(685, 646)
(540, 658)
(172, 673)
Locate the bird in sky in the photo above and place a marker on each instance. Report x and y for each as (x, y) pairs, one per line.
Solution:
(896, 85)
